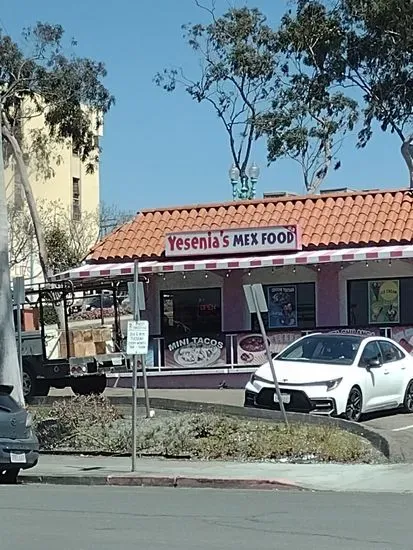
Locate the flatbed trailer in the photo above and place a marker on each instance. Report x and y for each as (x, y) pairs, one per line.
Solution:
(49, 356)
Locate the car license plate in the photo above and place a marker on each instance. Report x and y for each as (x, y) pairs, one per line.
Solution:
(18, 458)
(286, 398)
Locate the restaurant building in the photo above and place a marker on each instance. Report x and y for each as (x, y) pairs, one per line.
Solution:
(339, 260)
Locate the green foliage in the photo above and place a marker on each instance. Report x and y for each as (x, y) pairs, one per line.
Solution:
(366, 49)
(37, 78)
(238, 58)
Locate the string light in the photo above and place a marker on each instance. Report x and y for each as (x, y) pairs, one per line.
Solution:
(184, 275)
(228, 273)
(389, 263)
(318, 268)
(341, 266)
(367, 264)
(249, 273)
(206, 275)
(294, 269)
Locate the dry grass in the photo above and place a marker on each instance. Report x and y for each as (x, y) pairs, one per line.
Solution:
(93, 424)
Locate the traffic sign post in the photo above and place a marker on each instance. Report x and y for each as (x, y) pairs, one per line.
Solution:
(137, 345)
(257, 304)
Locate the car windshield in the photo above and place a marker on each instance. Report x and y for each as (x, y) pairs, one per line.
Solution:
(320, 348)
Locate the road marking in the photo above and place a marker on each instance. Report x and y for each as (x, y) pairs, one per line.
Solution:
(402, 429)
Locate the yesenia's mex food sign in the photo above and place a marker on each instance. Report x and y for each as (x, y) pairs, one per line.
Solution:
(233, 241)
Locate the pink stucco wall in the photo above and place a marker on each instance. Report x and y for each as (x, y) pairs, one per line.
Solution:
(328, 296)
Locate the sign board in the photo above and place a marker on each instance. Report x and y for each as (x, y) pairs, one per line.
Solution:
(137, 338)
(141, 296)
(18, 291)
(233, 241)
(258, 291)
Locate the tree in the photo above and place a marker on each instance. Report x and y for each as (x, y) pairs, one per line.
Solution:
(67, 92)
(257, 88)
(68, 241)
(366, 49)
(238, 58)
(111, 217)
(20, 232)
(308, 126)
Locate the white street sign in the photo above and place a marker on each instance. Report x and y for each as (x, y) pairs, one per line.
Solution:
(255, 294)
(137, 338)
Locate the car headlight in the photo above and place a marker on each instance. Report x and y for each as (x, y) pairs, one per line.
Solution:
(332, 384)
(29, 420)
(256, 378)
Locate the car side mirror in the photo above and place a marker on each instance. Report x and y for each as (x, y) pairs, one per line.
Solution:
(374, 363)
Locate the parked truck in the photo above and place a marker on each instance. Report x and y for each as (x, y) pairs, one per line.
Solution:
(66, 346)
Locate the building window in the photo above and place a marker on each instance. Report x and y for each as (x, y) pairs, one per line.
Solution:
(289, 307)
(18, 191)
(380, 302)
(191, 312)
(76, 210)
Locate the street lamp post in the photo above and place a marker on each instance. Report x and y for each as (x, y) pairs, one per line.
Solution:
(248, 182)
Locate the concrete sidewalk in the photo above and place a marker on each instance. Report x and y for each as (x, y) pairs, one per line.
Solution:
(82, 470)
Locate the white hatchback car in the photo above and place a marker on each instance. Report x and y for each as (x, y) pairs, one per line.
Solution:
(336, 374)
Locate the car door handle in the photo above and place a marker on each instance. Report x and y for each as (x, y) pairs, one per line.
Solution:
(386, 372)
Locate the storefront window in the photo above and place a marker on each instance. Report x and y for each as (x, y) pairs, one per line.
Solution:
(289, 306)
(191, 311)
(380, 302)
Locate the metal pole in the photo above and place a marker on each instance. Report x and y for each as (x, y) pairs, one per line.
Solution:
(19, 338)
(269, 356)
(145, 387)
(136, 317)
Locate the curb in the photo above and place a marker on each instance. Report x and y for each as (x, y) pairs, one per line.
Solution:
(193, 482)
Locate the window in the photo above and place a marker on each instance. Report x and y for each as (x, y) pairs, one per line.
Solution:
(370, 353)
(76, 210)
(389, 352)
(321, 348)
(401, 312)
(191, 311)
(290, 306)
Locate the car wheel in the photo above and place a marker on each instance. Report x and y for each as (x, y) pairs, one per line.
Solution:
(9, 477)
(408, 398)
(354, 405)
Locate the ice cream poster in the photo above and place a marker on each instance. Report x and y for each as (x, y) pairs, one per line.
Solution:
(384, 301)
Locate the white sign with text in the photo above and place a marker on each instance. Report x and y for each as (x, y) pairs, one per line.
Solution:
(233, 241)
(138, 338)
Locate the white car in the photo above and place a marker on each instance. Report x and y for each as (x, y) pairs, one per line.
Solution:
(336, 374)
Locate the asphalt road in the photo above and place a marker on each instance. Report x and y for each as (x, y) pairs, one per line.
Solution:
(397, 426)
(104, 518)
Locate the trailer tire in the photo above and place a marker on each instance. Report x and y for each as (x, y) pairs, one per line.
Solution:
(89, 385)
(29, 383)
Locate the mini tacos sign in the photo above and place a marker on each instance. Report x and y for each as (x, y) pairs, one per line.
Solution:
(233, 241)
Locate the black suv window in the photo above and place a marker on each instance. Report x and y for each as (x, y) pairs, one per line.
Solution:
(370, 352)
(390, 352)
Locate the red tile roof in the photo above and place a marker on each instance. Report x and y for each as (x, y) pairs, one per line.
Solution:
(332, 220)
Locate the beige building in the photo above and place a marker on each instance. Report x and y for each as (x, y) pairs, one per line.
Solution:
(61, 179)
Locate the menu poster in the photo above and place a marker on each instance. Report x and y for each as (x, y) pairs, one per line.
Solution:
(282, 306)
(384, 301)
(404, 337)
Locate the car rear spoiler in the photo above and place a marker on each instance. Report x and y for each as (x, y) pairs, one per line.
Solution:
(5, 389)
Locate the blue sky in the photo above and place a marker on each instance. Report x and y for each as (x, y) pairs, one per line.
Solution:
(164, 149)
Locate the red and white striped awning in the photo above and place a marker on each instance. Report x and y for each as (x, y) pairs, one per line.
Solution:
(99, 271)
